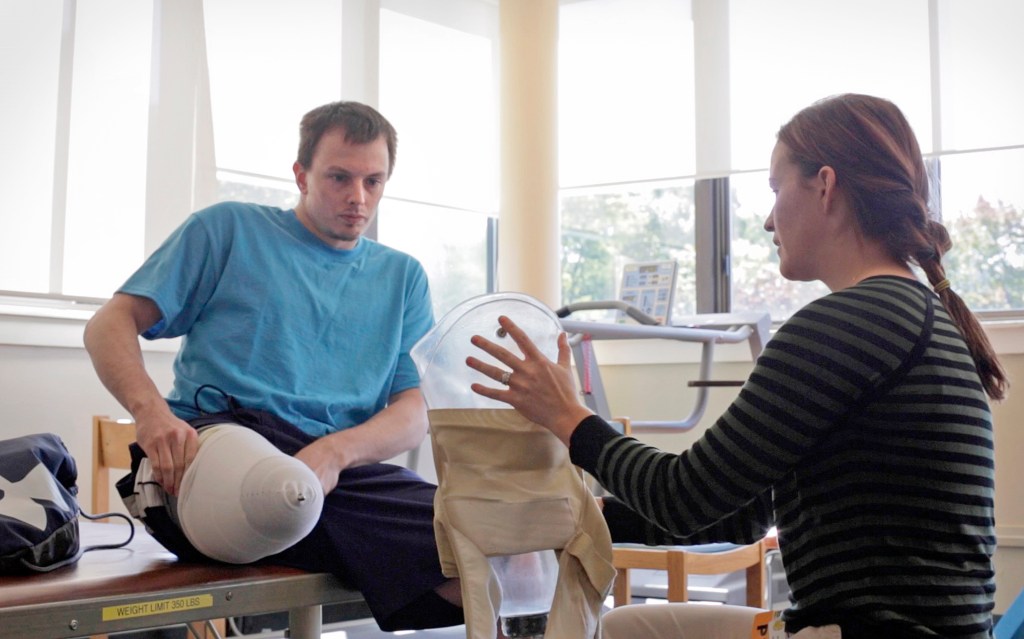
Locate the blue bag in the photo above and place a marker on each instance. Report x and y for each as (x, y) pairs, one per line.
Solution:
(38, 508)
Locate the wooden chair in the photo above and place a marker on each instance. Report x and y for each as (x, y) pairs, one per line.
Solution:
(680, 562)
(110, 441)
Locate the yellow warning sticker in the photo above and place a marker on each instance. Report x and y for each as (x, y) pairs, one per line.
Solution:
(160, 607)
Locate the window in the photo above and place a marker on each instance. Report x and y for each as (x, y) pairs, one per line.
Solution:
(979, 50)
(106, 170)
(72, 219)
(126, 115)
(606, 228)
(786, 54)
(438, 88)
(982, 151)
(630, 79)
(451, 244)
(270, 63)
(983, 209)
(626, 143)
(114, 135)
(777, 62)
(30, 46)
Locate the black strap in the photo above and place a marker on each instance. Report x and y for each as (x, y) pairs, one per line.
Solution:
(131, 531)
(915, 354)
(233, 404)
(889, 382)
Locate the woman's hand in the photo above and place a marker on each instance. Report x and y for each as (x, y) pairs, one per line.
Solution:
(541, 390)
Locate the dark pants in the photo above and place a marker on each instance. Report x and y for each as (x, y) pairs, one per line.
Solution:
(375, 533)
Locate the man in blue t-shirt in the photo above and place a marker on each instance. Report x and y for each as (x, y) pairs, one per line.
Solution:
(295, 317)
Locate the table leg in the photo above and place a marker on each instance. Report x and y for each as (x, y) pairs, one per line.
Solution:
(305, 622)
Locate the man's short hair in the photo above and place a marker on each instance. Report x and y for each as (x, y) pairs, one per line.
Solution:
(362, 125)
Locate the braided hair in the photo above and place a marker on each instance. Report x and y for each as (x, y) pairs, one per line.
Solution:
(878, 164)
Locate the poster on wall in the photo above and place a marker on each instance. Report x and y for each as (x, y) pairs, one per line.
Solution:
(651, 287)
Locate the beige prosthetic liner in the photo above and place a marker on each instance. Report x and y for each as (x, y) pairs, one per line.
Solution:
(242, 499)
(506, 487)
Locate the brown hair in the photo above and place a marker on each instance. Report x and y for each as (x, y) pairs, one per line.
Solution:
(362, 125)
(878, 166)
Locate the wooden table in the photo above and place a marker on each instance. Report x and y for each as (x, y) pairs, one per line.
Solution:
(144, 586)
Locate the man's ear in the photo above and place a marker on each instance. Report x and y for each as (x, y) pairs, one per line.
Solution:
(300, 177)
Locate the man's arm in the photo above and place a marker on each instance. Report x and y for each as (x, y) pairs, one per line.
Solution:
(112, 341)
(401, 426)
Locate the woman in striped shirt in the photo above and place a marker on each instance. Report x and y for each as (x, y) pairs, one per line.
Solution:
(864, 431)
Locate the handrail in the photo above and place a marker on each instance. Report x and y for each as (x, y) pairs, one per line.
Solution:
(707, 330)
(625, 307)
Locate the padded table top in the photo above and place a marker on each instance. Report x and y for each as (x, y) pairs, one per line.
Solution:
(144, 585)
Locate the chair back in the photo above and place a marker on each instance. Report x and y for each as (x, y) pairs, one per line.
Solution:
(683, 561)
(110, 441)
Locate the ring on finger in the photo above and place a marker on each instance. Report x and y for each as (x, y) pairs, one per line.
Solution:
(506, 377)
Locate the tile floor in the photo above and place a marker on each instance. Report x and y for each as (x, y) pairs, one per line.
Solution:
(712, 589)
(369, 630)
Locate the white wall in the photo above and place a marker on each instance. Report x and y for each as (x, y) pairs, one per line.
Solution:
(54, 389)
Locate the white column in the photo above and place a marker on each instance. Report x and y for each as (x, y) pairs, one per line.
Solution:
(180, 151)
(711, 79)
(528, 230)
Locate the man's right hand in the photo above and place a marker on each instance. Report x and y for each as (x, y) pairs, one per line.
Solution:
(171, 445)
(112, 339)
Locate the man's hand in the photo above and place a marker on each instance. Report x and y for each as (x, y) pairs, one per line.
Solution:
(170, 444)
(326, 460)
(398, 428)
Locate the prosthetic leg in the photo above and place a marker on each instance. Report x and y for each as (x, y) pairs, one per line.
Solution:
(241, 499)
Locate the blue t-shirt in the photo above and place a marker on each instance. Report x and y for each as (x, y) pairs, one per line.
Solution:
(278, 319)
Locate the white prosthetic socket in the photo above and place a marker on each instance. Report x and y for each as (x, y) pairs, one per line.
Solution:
(242, 499)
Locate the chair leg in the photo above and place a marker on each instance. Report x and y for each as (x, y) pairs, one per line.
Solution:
(755, 586)
(756, 581)
(621, 591)
(677, 577)
(209, 629)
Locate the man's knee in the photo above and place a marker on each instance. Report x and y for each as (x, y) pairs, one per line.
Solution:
(451, 591)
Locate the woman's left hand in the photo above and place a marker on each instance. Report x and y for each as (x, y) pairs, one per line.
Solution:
(541, 390)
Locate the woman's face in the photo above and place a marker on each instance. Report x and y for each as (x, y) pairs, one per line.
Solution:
(796, 220)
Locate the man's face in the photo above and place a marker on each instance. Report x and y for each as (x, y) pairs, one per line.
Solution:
(340, 191)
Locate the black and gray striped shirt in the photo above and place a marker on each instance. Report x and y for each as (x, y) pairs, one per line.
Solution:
(873, 458)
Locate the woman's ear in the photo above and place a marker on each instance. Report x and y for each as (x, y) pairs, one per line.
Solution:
(827, 183)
